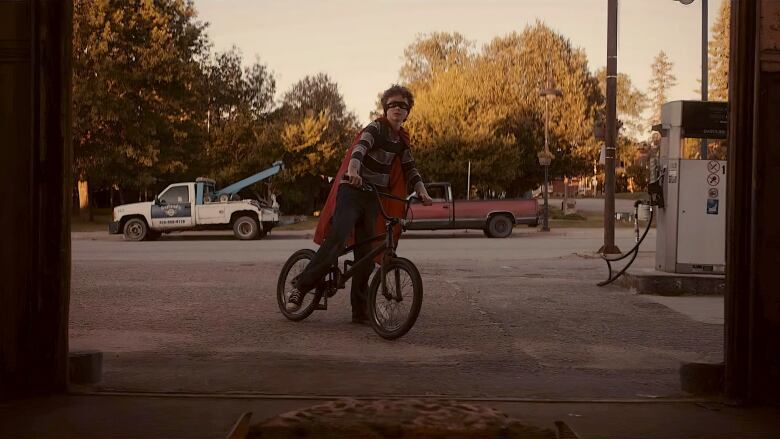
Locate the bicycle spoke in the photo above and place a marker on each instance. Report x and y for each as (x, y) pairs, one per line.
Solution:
(391, 312)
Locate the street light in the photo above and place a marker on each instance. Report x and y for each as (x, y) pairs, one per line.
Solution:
(704, 62)
(545, 157)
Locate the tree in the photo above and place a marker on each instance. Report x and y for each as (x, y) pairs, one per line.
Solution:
(631, 102)
(435, 53)
(136, 74)
(242, 138)
(316, 131)
(719, 47)
(662, 79)
(488, 111)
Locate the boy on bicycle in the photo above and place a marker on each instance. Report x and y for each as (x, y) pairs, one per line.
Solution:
(381, 156)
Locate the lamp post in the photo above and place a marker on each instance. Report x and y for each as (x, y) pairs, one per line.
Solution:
(545, 157)
(704, 63)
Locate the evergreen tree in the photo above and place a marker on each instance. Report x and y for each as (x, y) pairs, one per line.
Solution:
(662, 79)
(719, 55)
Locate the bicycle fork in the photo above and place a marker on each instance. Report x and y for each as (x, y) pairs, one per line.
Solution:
(390, 295)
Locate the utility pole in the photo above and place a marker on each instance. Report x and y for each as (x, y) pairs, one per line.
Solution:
(704, 67)
(704, 63)
(609, 246)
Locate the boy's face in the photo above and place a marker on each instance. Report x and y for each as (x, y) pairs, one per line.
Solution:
(397, 108)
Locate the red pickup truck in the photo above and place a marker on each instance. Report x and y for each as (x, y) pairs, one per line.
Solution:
(495, 217)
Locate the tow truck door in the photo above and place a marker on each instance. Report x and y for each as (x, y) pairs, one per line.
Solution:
(174, 209)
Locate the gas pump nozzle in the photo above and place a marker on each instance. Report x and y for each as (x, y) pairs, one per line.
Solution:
(656, 191)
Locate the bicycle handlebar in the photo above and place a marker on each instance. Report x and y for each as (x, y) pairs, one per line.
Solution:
(371, 187)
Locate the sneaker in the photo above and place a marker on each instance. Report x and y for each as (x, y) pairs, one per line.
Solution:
(294, 301)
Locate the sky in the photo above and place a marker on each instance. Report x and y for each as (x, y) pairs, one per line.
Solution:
(360, 43)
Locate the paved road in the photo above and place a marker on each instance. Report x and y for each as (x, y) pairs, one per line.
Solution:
(519, 317)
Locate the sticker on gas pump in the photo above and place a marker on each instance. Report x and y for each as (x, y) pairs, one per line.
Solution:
(713, 179)
(713, 192)
(712, 206)
(713, 166)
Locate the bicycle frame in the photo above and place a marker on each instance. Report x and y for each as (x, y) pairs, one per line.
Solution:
(388, 247)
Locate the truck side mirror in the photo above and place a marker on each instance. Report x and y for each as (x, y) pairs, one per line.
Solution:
(158, 201)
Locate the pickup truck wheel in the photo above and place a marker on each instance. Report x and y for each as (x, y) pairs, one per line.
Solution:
(136, 230)
(245, 228)
(499, 226)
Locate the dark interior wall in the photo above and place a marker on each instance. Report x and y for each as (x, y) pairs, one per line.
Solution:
(35, 72)
(739, 209)
(753, 232)
(766, 385)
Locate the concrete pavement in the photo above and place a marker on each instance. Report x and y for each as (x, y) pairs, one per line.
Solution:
(516, 323)
(516, 317)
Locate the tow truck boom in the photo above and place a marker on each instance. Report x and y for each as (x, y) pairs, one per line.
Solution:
(275, 168)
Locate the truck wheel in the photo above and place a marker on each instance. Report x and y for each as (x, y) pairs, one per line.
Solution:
(245, 228)
(499, 226)
(136, 230)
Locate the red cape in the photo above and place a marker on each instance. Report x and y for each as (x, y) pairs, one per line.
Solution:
(392, 207)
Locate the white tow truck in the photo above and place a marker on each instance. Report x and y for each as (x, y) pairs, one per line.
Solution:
(198, 206)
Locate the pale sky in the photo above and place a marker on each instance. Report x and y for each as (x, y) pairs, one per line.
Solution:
(360, 43)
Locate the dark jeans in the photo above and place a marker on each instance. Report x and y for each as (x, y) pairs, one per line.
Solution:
(356, 210)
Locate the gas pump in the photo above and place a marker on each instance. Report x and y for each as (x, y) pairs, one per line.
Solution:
(687, 193)
(691, 223)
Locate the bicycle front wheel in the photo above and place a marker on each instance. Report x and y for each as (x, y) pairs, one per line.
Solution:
(393, 310)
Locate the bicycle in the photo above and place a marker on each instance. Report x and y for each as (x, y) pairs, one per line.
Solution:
(386, 292)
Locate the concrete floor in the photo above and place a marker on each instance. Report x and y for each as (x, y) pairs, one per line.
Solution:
(133, 416)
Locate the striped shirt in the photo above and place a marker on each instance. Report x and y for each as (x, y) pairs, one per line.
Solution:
(376, 151)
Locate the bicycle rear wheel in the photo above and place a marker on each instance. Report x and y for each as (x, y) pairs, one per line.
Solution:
(392, 313)
(293, 267)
